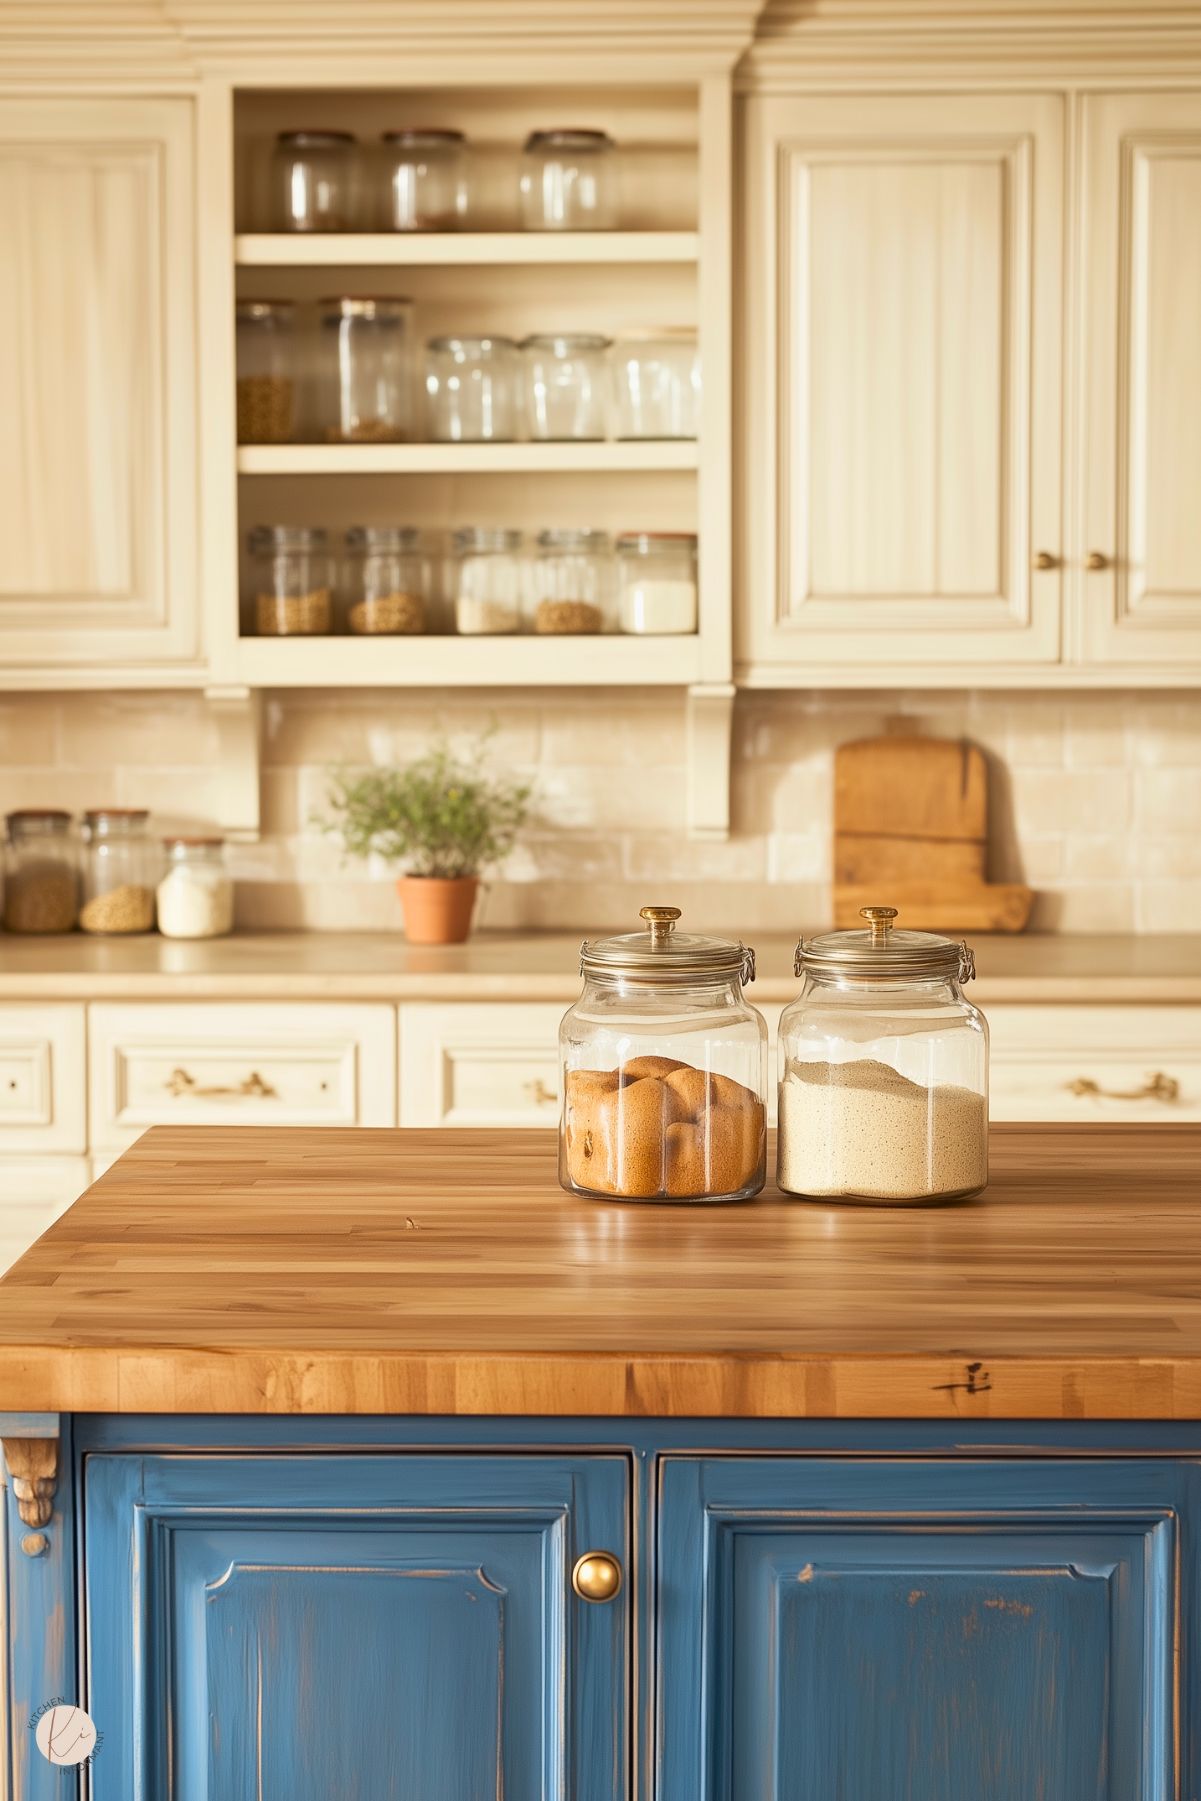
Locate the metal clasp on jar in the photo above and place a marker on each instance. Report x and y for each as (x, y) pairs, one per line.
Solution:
(967, 963)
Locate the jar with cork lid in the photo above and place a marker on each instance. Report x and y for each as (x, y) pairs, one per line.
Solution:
(663, 1065)
(883, 1069)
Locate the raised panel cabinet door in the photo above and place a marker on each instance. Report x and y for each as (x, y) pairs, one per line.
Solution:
(922, 1630)
(1141, 582)
(395, 1627)
(903, 274)
(489, 1063)
(98, 371)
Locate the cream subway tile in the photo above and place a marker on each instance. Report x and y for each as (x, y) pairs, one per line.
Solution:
(650, 734)
(29, 730)
(1050, 800)
(591, 799)
(1097, 733)
(1103, 907)
(280, 800)
(684, 860)
(1099, 858)
(100, 730)
(1168, 907)
(1168, 800)
(1034, 733)
(1168, 858)
(317, 907)
(73, 789)
(800, 856)
(1167, 731)
(179, 800)
(1039, 860)
(784, 797)
(562, 857)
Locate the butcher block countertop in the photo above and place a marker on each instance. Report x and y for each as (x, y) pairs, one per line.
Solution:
(531, 966)
(285, 1271)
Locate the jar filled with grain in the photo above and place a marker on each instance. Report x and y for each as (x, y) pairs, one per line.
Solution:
(266, 383)
(883, 1069)
(387, 580)
(663, 1069)
(41, 872)
(489, 580)
(292, 579)
(573, 582)
(120, 871)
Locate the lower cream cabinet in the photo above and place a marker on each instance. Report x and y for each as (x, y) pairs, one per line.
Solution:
(491, 1063)
(1124, 1063)
(33, 1192)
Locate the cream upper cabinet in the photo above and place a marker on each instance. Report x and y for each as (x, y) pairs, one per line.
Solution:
(903, 344)
(98, 455)
(1141, 405)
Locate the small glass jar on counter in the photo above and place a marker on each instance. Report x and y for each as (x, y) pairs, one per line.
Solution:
(427, 180)
(195, 897)
(573, 582)
(471, 389)
(266, 383)
(388, 580)
(657, 381)
(41, 872)
(883, 1069)
(364, 371)
(314, 181)
(656, 582)
(120, 872)
(292, 575)
(566, 386)
(568, 180)
(663, 1067)
(489, 581)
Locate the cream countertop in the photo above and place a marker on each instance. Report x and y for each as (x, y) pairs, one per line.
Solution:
(532, 966)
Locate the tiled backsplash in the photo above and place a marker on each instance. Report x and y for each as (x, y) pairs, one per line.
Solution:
(1096, 799)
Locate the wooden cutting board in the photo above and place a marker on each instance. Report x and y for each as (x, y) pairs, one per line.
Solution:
(911, 831)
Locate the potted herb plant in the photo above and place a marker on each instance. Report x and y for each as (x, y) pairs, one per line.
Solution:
(445, 819)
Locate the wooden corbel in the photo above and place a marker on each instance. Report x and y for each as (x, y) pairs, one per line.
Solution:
(32, 1465)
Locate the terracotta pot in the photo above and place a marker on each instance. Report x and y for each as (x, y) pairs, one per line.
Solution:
(437, 909)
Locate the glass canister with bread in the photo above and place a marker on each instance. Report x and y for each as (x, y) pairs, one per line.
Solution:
(663, 1069)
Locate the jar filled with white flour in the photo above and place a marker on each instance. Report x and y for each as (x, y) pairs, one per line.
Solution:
(196, 895)
(883, 1069)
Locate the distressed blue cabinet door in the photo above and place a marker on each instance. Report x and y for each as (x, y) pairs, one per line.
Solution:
(354, 1628)
(843, 1630)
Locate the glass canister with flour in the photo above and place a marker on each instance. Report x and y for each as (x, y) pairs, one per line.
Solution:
(663, 1069)
(883, 1069)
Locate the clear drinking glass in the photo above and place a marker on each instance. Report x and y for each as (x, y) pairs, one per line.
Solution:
(41, 872)
(663, 1067)
(573, 582)
(120, 871)
(883, 1069)
(364, 374)
(293, 577)
(427, 180)
(388, 580)
(266, 384)
(568, 180)
(489, 581)
(314, 181)
(566, 386)
(471, 388)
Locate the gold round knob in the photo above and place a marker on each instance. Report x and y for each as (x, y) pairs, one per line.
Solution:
(596, 1576)
(1096, 559)
(662, 923)
(880, 919)
(1044, 560)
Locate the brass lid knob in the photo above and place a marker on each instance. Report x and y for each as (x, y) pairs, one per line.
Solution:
(596, 1576)
(662, 922)
(880, 920)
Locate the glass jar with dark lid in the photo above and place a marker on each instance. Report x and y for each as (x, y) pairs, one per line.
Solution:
(568, 180)
(426, 180)
(663, 1068)
(883, 1068)
(314, 181)
(41, 872)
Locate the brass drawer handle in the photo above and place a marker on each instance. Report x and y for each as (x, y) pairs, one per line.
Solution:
(596, 1576)
(540, 1094)
(181, 1083)
(1157, 1087)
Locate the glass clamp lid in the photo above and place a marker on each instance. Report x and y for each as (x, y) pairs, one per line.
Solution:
(661, 954)
(879, 952)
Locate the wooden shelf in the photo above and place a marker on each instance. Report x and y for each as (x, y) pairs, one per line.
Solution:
(462, 459)
(523, 660)
(434, 249)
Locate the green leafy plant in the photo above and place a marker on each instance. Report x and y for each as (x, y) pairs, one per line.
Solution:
(440, 816)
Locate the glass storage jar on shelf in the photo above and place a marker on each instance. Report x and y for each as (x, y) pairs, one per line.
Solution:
(314, 179)
(489, 581)
(573, 582)
(363, 380)
(195, 898)
(120, 871)
(427, 173)
(663, 1066)
(471, 390)
(388, 580)
(656, 582)
(883, 1069)
(41, 872)
(292, 575)
(568, 180)
(657, 378)
(566, 386)
(266, 382)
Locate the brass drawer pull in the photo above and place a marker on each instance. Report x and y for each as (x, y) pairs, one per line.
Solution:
(1157, 1087)
(540, 1094)
(181, 1083)
(596, 1576)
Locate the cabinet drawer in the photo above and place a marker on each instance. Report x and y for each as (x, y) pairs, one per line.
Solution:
(33, 1192)
(495, 1064)
(280, 1065)
(42, 1099)
(1101, 1063)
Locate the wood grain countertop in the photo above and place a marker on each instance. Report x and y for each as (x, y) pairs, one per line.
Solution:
(243, 1270)
(534, 966)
